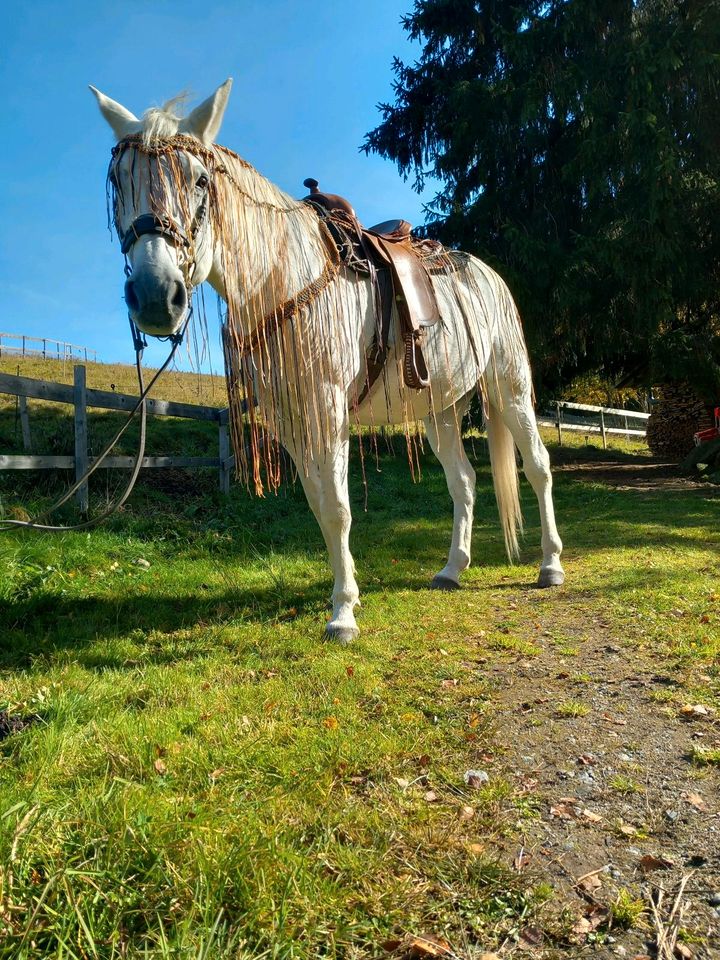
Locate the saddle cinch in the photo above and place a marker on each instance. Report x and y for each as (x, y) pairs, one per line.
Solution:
(385, 252)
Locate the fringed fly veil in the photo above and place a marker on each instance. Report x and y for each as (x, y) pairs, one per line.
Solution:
(295, 318)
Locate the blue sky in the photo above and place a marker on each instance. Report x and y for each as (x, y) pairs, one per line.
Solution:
(307, 79)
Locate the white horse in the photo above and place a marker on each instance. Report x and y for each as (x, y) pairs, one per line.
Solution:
(300, 324)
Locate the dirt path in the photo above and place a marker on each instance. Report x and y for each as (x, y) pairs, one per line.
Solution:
(606, 750)
(638, 473)
(618, 791)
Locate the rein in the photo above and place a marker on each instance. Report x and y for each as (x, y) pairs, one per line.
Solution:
(139, 343)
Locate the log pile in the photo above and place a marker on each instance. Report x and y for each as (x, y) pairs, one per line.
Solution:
(677, 414)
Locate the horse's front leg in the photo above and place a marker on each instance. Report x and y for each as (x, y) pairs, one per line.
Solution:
(325, 481)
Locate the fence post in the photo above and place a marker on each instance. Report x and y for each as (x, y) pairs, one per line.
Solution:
(602, 429)
(224, 451)
(25, 423)
(81, 453)
(559, 423)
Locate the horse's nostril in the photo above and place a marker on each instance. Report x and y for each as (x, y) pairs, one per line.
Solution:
(179, 297)
(131, 298)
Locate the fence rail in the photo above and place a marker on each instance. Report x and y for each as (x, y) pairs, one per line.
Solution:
(20, 344)
(583, 426)
(80, 397)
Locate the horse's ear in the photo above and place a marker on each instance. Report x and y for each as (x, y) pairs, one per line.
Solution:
(204, 121)
(121, 120)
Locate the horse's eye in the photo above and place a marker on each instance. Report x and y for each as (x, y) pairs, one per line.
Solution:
(202, 181)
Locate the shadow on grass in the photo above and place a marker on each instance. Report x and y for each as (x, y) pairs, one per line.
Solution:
(399, 543)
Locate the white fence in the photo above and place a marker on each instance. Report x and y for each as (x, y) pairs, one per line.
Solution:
(82, 397)
(21, 345)
(585, 418)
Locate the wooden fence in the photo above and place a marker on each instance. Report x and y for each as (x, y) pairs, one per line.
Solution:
(21, 345)
(80, 397)
(604, 418)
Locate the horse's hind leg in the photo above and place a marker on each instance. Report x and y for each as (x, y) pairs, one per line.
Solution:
(519, 417)
(443, 433)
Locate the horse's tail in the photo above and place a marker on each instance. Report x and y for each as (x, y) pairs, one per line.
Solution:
(505, 479)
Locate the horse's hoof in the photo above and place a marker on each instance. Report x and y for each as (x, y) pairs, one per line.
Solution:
(443, 583)
(551, 578)
(341, 635)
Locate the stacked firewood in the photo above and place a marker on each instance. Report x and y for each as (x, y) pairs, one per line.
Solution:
(677, 415)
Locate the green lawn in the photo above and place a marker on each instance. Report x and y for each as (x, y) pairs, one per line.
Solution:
(209, 778)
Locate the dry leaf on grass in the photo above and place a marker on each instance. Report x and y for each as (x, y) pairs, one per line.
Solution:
(422, 947)
(693, 711)
(475, 778)
(590, 921)
(590, 884)
(649, 863)
(530, 938)
(695, 800)
(449, 684)
(570, 808)
(160, 767)
(467, 813)
(618, 721)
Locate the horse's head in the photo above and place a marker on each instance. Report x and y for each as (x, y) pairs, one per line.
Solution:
(161, 185)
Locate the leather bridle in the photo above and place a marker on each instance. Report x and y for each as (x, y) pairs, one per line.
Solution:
(149, 224)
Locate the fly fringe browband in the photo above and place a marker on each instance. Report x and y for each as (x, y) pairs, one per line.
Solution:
(153, 224)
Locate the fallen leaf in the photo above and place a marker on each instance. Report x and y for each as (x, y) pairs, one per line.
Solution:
(423, 947)
(476, 848)
(695, 800)
(331, 723)
(424, 760)
(431, 796)
(587, 759)
(475, 778)
(350, 671)
(627, 830)
(684, 951)
(691, 711)
(616, 720)
(467, 813)
(530, 938)
(593, 919)
(160, 767)
(402, 783)
(449, 684)
(590, 884)
(649, 863)
(590, 816)
(563, 811)
(216, 774)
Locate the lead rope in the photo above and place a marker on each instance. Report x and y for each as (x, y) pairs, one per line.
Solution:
(139, 343)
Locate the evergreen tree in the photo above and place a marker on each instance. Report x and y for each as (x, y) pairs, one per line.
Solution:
(578, 149)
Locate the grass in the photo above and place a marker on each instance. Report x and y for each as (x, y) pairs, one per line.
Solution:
(572, 708)
(208, 778)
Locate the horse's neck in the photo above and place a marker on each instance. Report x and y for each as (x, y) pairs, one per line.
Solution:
(267, 248)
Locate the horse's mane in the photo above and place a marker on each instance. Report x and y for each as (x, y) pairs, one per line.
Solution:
(160, 123)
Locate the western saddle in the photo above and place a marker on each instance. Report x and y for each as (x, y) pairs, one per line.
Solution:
(389, 254)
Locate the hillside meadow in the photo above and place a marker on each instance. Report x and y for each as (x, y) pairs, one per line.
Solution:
(187, 769)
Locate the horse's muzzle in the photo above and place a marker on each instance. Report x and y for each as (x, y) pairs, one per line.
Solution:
(156, 308)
